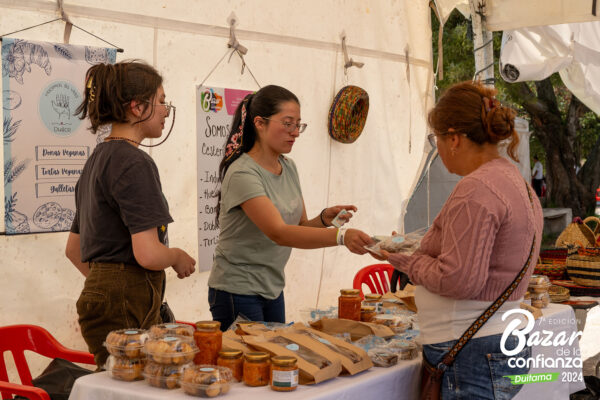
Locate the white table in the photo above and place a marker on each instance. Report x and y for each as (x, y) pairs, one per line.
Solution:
(399, 382)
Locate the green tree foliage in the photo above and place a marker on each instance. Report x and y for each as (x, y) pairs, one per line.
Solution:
(564, 132)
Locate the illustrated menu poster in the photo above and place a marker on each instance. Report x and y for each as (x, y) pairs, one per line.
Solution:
(45, 144)
(215, 110)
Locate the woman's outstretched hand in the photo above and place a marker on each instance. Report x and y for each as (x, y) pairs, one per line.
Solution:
(356, 240)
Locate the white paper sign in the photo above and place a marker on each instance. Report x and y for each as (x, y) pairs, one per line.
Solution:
(45, 144)
(215, 110)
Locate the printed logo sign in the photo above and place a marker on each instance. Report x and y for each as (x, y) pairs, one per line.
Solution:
(58, 102)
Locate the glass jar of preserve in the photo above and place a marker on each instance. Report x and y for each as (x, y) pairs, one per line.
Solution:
(242, 324)
(367, 313)
(233, 360)
(349, 304)
(373, 299)
(256, 369)
(209, 338)
(284, 373)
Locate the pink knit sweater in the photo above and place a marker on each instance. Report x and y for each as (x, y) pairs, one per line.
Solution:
(481, 238)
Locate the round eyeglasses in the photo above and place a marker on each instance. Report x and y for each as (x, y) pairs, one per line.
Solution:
(290, 127)
(168, 106)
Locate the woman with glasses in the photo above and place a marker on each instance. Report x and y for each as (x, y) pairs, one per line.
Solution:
(118, 239)
(487, 233)
(261, 212)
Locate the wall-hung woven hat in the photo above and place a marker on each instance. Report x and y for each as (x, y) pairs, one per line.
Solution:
(348, 114)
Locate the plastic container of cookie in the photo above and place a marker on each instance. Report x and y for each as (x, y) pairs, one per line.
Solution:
(540, 300)
(171, 329)
(164, 376)
(125, 369)
(176, 350)
(206, 380)
(539, 284)
(126, 342)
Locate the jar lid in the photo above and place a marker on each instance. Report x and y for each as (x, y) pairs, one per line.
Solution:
(367, 308)
(372, 296)
(208, 325)
(284, 361)
(350, 292)
(257, 356)
(246, 323)
(230, 353)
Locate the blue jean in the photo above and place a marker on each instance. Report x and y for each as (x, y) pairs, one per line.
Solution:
(478, 371)
(225, 307)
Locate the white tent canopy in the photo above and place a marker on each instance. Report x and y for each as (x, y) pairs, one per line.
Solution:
(573, 50)
(511, 14)
(293, 44)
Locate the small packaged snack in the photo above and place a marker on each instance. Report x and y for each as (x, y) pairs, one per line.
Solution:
(539, 284)
(405, 349)
(206, 380)
(126, 342)
(175, 350)
(540, 300)
(383, 357)
(165, 376)
(397, 323)
(171, 329)
(406, 244)
(125, 369)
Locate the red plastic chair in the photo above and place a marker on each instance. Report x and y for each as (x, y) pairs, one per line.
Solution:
(19, 338)
(376, 276)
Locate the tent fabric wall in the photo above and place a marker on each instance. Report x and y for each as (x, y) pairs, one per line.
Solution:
(511, 14)
(290, 44)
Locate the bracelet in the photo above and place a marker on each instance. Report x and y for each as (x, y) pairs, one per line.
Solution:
(322, 220)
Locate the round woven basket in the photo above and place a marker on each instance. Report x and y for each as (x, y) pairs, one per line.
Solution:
(553, 271)
(558, 294)
(584, 270)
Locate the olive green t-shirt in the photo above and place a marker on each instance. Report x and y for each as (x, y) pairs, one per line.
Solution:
(246, 261)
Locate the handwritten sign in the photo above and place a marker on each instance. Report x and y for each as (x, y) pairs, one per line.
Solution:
(45, 144)
(215, 110)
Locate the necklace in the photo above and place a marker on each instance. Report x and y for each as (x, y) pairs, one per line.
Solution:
(109, 138)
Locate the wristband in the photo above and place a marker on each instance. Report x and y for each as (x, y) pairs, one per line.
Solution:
(322, 220)
(339, 238)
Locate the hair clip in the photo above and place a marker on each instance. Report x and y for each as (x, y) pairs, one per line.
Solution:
(91, 90)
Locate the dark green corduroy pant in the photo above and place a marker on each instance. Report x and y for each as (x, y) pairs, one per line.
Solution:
(117, 296)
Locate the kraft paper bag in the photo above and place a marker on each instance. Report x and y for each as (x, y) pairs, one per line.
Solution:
(356, 329)
(353, 358)
(235, 342)
(316, 363)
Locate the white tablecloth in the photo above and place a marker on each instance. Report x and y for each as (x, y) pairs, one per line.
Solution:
(399, 382)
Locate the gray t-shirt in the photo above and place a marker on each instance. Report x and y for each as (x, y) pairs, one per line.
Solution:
(246, 261)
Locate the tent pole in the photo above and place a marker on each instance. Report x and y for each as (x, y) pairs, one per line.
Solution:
(483, 44)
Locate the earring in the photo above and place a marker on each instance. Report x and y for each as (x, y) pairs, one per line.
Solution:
(453, 151)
